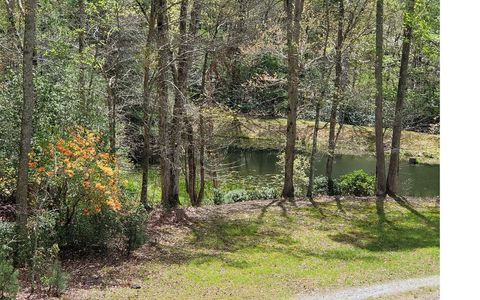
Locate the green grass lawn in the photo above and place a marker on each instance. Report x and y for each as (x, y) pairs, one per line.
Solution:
(256, 250)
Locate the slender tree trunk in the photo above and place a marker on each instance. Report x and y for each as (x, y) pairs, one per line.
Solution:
(314, 150)
(201, 191)
(179, 113)
(401, 91)
(192, 168)
(29, 40)
(81, 47)
(146, 107)
(379, 151)
(336, 98)
(112, 107)
(294, 15)
(162, 89)
(318, 104)
(201, 125)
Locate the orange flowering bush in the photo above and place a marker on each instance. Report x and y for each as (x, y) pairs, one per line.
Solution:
(78, 166)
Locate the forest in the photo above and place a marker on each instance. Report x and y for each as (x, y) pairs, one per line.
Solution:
(218, 149)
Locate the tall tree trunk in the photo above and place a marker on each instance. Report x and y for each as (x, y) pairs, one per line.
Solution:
(81, 47)
(192, 169)
(201, 125)
(318, 104)
(336, 98)
(27, 116)
(401, 91)
(379, 151)
(179, 113)
(147, 119)
(164, 58)
(294, 15)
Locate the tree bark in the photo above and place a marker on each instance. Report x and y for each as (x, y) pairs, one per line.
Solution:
(29, 41)
(318, 104)
(112, 112)
(314, 150)
(379, 151)
(336, 98)
(392, 179)
(81, 47)
(164, 56)
(294, 15)
(147, 119)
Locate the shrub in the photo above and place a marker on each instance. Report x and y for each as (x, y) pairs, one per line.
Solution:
(7, 238)
(134, 225)
(81, 180)
(320, 186)
(90, 232)
(55, 279)
(357, 183)
(8, 278)
(218, 196)
(235, 196)
(263, 194)
(78, 171)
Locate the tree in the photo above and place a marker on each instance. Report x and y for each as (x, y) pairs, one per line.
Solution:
(29, 40)
(180, 124)
(337, 97)
(324, 75)
(379, 151)
(401, 91)
(81, 49)
(147, 117)
(294, 14)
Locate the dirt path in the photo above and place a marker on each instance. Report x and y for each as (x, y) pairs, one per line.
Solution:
(389, 288)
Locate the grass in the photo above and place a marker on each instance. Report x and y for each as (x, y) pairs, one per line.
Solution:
(265, 250)
(259, 133)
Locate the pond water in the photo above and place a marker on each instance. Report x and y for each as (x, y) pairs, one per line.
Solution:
(415, 180)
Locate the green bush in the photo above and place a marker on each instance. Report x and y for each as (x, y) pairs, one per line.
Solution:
(262, 194)
(357, 183)
(7, 237)
(55, 279)
(320, 186)
(8, 278)
(134, 228)
(218, 196)
(88, 233)
(235, 196)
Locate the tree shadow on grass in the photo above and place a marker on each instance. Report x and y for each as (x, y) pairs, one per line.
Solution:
(395, 235)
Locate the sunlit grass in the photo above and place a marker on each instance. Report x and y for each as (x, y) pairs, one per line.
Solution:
(275, 254)
(262, 133)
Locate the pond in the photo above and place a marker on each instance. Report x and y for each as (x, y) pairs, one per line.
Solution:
(415, 180)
